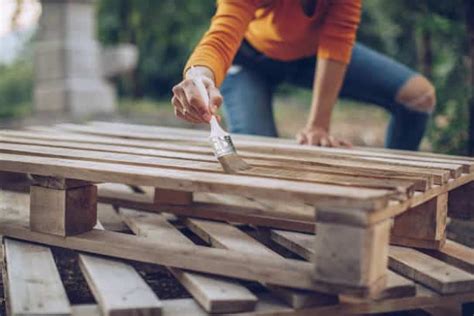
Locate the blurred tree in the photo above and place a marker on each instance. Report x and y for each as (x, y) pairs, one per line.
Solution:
(430, 36)
(165, 32)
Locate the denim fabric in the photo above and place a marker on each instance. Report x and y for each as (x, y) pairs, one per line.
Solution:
(371, 77)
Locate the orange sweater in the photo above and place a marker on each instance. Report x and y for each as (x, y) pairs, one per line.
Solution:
(279, 29)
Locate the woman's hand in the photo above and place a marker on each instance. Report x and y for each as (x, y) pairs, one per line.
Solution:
(320, 137)
(188, 103)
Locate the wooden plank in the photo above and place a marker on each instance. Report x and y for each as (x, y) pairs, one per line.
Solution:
(429, 271)
(222, 235)
(267, 305)
(86, 310)
(455, 254)
(78, 141)
(118, 288)
(225, 262)
(418, 153)
(63, 212)
(426, 222)
(216, 295)
(402, 188)
(194, 181)
(303, 245)
(32, 281)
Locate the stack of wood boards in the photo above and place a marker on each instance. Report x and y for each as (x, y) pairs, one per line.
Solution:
(356, 195)
(32, 284)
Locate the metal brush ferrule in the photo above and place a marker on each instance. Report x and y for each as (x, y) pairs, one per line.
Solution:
(222, 146)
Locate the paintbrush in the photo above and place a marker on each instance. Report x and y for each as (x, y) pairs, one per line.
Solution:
(221, 142)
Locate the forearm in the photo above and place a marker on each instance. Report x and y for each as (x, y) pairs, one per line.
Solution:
(328, 80)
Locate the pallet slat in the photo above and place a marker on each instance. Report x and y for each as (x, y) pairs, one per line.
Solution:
(32, 281)
(456, 254)
(222, 235)
(433, 273)
(216, 295)
(117, 286)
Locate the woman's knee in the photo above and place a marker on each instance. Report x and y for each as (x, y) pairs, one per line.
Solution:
(417, 94)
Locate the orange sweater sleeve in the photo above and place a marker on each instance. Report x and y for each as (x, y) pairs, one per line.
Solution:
(338, 31)
(217, 48)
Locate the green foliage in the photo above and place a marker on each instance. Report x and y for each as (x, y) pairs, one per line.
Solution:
(165, 32)
(16, 86)
(397, 29)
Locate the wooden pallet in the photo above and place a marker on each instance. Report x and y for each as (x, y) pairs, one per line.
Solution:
(357, 195)
(33, 286)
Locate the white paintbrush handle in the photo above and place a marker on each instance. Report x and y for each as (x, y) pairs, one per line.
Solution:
(202, 89)
(216, 129)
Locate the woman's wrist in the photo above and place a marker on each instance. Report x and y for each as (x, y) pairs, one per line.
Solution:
(319, 122)
(200, 71)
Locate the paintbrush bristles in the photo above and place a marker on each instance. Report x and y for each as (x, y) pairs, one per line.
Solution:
(232, 163)
(221, 142)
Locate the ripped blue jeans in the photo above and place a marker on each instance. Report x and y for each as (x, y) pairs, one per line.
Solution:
(371, 77)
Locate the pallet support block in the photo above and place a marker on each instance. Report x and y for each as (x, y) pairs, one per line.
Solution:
(63, 212)
(423, 226)
(460, 202)
(172, 197)
(352, 256)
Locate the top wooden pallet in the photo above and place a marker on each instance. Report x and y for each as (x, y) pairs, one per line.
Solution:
(179, 159)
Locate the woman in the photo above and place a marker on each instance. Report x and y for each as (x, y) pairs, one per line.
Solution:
(254, 45)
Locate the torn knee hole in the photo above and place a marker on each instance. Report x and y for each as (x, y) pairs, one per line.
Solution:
(424, 102)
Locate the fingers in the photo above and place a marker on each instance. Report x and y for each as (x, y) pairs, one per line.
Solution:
(189, 103)
(180, 112)
(301, 139)
(346, 144)
(318, 139)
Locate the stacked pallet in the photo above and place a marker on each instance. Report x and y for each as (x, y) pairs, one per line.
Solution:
(33, 286)
(356, 195)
